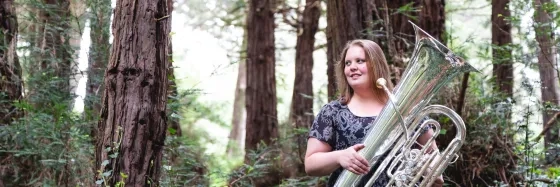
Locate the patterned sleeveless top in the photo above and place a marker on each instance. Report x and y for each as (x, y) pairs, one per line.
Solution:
(340, 128)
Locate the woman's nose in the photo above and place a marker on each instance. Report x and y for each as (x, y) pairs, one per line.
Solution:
(353, 66)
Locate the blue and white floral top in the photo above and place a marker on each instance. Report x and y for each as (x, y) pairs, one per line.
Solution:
(340, 128)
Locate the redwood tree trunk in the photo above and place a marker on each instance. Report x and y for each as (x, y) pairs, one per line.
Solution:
(301, 112)
(548, 69)
(133, 120)
(262, 122)
(503, 75)
(394, 33)
(10, 69)
(346, 20)
(432, 18)
(501, 54)
(97, 58)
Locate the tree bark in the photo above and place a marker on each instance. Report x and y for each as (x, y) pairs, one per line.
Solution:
(10, 79)
(10, 69)
(394, 33)
(503, 76)
(501, 54)
(262, 122)
(432, 18)
(237, 135)
(97, 58)
(301, 111)
(133, 120)
(548, 69)
(346, 20)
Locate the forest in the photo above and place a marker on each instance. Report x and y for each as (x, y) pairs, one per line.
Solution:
(224, 92)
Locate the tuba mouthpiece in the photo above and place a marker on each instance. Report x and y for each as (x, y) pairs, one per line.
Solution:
(381, 82)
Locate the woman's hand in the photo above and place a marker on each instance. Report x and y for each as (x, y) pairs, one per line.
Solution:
(350, 160)
(438, 182)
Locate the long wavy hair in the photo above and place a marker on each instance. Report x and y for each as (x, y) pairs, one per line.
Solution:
(377, 67)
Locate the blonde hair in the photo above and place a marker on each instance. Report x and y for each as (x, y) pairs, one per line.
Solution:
(376, 65)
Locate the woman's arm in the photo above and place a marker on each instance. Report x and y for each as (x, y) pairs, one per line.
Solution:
(320, 160)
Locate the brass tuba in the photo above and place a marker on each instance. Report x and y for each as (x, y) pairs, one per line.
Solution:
(432, 65)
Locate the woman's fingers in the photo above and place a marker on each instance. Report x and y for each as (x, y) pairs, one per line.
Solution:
(362, 160)
(358, 167)
(363, 167)
(357, 170)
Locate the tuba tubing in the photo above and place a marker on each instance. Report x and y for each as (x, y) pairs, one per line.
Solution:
(431, 66)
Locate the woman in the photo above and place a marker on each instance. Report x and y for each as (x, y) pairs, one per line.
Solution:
(338, 130)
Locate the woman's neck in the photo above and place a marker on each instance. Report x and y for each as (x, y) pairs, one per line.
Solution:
(365, 96)
(365, 103)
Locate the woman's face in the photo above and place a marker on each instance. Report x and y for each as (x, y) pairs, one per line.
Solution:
(355, 68)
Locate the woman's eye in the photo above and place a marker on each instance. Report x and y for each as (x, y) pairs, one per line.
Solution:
(361, 61)
(347, 63)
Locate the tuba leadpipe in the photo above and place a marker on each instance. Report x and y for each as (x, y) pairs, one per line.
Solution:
(397, 127)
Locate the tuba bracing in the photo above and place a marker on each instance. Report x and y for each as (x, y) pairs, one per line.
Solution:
(409, 164)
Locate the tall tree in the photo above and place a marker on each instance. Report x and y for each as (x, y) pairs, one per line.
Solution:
(10, 69)
(301, 111)
(548, 69)
(237, 133)
(346, 20)
(10, 75)
(501, 53)
(395, 34)
(431, 18)
(260, 94)
(133, 120)
(502, 72)
(54, 57)
(98, 57)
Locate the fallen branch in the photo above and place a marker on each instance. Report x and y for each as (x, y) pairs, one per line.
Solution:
(547, 126)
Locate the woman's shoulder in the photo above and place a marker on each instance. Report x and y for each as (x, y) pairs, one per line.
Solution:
(333, 105)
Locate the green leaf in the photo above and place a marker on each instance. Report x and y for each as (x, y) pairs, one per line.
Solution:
(124, 175)
(105, 162)
(108, 173)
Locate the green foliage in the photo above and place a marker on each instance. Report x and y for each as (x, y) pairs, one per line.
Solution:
(45, 149)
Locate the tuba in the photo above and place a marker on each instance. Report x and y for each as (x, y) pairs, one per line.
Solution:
(398, 125)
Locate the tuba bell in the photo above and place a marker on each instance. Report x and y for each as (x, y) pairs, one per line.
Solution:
(398, 125)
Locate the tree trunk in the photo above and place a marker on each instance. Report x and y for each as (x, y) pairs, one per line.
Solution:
(549, 75)
(10, 79)
(10, 69)
(262, 122)
(54, 57)
(237, 135)
(501, 54)
(394, 33)
(346, 20)
(301, 111)
(97, 59)
(133, 120)
(503, 75)
(432, 18)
